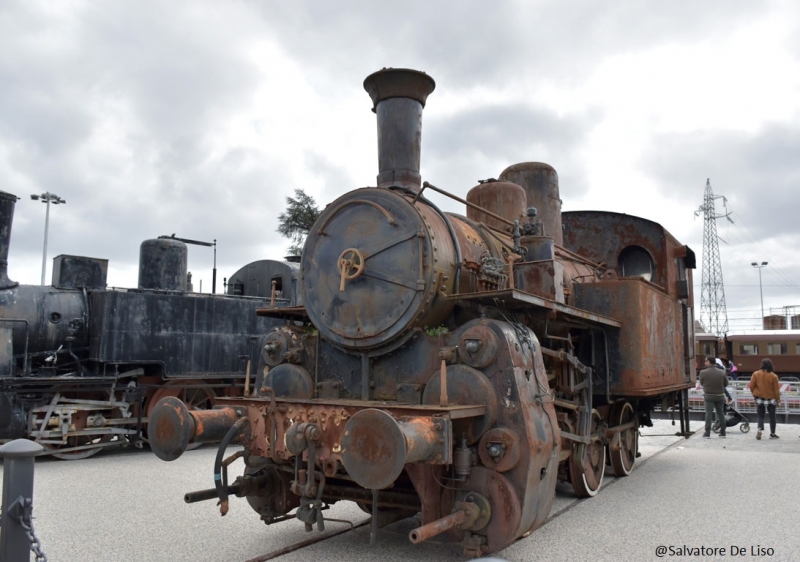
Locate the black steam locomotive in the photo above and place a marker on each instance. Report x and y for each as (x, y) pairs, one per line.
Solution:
(454, 366)
(81, 366)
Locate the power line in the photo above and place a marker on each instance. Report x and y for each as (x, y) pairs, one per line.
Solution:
(757, 249)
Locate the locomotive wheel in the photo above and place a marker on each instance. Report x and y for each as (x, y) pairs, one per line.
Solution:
(79, 420)
(587, 466)
(202, 398)
(77, 441)
(623, 459)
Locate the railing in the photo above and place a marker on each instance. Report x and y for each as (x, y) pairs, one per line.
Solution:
(743, 398)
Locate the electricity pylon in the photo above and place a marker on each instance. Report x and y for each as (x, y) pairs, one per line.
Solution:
(713, 314)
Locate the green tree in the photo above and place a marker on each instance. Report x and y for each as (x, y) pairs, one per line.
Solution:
(294, 223)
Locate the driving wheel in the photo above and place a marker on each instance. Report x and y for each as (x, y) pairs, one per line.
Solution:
(623, 451)
(587, 464)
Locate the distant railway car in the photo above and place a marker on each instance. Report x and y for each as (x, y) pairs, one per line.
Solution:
(455, 365)
(81, 365)
(782, 347)
(708, 344)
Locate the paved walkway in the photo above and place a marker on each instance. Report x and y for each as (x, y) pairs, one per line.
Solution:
(708, 493)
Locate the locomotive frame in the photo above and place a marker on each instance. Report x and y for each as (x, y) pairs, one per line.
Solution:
(455, 366)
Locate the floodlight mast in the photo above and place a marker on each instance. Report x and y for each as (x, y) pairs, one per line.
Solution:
(760, 287)
(200, 243)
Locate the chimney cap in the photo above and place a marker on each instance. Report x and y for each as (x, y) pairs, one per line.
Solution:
(398, 83)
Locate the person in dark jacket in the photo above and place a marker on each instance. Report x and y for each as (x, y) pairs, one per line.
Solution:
(714, 380)
(766, 394)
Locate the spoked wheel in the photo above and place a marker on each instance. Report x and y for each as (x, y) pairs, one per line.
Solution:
(744, 428)
(623, 451)
(587, 465)
(79, 421)
(715, 426)
(191, 393)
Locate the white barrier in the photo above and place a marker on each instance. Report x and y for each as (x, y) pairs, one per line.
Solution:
(743, 398)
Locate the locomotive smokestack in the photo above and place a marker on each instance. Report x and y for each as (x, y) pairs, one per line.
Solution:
(7, 202)
(398, 96)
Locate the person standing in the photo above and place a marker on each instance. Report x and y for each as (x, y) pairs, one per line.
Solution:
(767, 395)
(714, 380)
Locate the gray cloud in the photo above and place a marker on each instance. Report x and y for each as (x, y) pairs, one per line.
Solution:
(759, 173)
(472, 42)
(158, 85)
(482, 141)
(118, 108)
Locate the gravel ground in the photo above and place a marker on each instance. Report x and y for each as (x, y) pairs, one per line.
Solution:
(128, 505)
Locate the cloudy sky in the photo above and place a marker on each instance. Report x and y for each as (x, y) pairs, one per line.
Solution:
(199, 118)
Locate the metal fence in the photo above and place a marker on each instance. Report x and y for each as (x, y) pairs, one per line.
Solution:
(743, 398)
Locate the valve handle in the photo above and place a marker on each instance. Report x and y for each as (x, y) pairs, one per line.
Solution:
(351, 265)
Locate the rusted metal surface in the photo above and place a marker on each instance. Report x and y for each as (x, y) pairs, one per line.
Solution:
(437, 527)
(461, 366)
(504, 199)
(285, 313)
(375, 447)
(270, 423)
(407, 267)
(624, 437)
(515, 299)
(465, 385)
(426, 479)
(474, 245)
(173, 426)
(643, 355)
(543, 279)
(499, 449)
(478, 346)
(603, 237)
(506, 516)
(171, 429)
(398, 96)
(540, 182)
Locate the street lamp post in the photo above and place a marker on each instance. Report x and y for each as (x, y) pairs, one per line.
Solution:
(47, 198)
(760, 287)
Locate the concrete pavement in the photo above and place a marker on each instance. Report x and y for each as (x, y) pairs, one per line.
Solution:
(698, 493)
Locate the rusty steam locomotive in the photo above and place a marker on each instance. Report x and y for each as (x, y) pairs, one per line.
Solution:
(81, 366)
(453, 366)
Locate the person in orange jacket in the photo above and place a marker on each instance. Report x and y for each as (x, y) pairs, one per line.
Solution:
(767, 395)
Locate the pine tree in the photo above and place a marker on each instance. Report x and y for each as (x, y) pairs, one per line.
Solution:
(294, 223)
